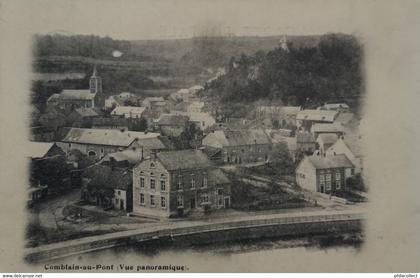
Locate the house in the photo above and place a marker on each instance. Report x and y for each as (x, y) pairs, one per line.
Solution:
(305, 142)
(240, 146)
(108, 187)
(128, 111)
(172, 125)
(176, 183)
(339, 107)
(113, 101)
(97, 143)
(351, 146)
(306, 118)
(278, 116)
(72, 99)
(321, 128)
(202, 120)
(139, 150)
(153, 102)
(83, 116)
(43, 150)
(110, 123)
(195, 107)
(326, 140)
(324, 174)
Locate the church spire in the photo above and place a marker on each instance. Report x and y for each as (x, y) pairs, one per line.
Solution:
(95, 83)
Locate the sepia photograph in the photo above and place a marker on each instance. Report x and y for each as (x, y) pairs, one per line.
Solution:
(197, 136)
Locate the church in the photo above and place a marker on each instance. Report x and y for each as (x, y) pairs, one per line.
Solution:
(73, 99)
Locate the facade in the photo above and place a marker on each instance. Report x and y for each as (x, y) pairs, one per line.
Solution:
(72, 99)
(83, 117)
(333, 128)
(128, 111)
(96, 143)
(240, 146)
(323, 174)
(351, 146)
(176, 183)
(202, 120)
(153, 102)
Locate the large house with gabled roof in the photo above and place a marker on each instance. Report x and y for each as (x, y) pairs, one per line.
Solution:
(175, 183)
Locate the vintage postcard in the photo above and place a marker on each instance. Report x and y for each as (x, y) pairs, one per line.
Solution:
(209, 136)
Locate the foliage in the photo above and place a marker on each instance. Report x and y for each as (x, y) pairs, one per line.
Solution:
(356, 182)
(54, 172)
(306, 76)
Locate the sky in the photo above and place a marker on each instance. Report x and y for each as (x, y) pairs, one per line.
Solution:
(158, 19)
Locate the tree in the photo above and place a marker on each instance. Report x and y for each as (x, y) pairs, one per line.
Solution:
(281, 160)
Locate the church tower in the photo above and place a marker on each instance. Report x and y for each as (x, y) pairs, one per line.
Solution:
(283, 43)
(95, 83)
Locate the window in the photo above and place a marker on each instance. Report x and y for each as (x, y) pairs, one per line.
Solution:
(141, 199)
(338, 180)
(141, 182)
(192, 181)
(152, 184)
(162, 185)
(69, 145)
(321, 180)
(119, 192)
(102, 150)
(163, 202)
(152, 165)
(92, 153)
(180, 201)
(219, 191)
(179, 187)
(352, 171)
(328, 182)
(204, 182)
(152, 200)
(205, 198)
(337, 176)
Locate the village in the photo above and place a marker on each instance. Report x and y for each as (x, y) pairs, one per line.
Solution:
(139, 160)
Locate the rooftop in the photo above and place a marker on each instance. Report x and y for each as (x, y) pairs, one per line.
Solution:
(321, 127)
(123, 110)
(304, 137)
(38, 149)
(184, 159)
(76, 94)
(327, 162)
(170, 119)
(88, 112)
(109, 137)
(241, 137)
(328, 138)
(317, 115)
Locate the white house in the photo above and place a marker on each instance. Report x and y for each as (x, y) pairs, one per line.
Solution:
(351, 146)
(128, 111)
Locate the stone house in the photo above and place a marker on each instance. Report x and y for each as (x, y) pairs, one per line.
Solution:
(96, 143)
(351, 146)
(323, 174)
(83, 117)
(172, 125)
(177, 183)
(306, 118)
(240, 146)
(128, 111)
(324, 141)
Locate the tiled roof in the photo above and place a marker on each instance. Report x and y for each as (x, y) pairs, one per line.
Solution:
(122, 110)
(318, 127)
(328, 138)
(38, 149)
(335, 105)
(150, 144)
(76, 95)
(184, 159)
(216, 176)
(87, 112)
(169, 119)
(110, 137)
(317, 115)
(332, 161)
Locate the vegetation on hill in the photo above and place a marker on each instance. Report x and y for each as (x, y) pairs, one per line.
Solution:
(306, 76)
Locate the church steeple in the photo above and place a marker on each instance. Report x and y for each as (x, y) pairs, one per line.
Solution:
(95, 83)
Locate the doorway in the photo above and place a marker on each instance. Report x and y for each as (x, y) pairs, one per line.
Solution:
(193, 203)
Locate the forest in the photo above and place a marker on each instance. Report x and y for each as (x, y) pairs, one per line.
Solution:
(304, 76)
